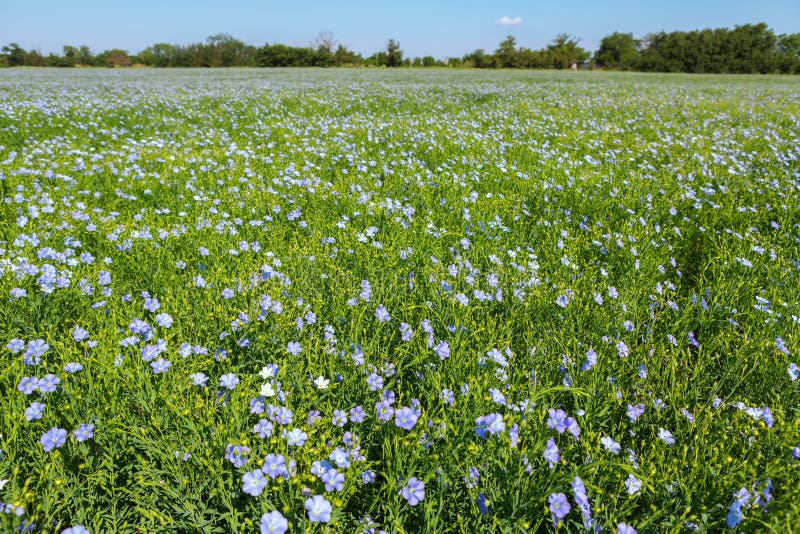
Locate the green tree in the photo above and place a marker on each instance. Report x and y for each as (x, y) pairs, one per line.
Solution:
(378, 59)
(159, 55)
(222, 50)
(70, 56)
(394, 56)
(533, 59)
(788, 53)
(564, 51)
(428, 61)
(85, 56)
(343, 57)
(323, 57)
(280, 55)
(116, 58)
(478, 59)
(618, 51)
(506, 53)
(276, 55)
(752, 49)
(15, 55)
(650, 59)
(34, 58)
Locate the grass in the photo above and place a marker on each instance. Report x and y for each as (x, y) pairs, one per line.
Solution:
(660, 209)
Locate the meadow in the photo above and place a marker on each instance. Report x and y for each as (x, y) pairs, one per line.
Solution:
(362, 300)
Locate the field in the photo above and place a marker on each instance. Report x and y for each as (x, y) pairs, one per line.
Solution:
(363, 300)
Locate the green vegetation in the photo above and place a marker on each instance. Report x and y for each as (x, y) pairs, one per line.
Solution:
(418, 301)
(746, 49)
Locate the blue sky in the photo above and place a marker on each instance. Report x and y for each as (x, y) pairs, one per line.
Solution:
(437, 27)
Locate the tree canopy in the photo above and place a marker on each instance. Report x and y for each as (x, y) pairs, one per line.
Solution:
(749, 48)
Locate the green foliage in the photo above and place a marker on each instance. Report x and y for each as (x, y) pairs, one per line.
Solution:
(344, 57)
(565, 52)
(159, 55)
(394, 56)
(562, 53)
(747, 49)
(279, 55)
(116, 58)
(505, 56)
(788, 51)
(618, 51)
(478, 59)
(14, 55)
(676, 194)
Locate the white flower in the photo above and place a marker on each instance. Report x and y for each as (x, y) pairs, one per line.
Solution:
(267, 390)
(610, 445)
(321, 382)
(3, 483)
(633, 484)
(666, 436)
(267, 372)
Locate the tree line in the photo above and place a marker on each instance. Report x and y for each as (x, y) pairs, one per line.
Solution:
(746, 49)
(221, 50)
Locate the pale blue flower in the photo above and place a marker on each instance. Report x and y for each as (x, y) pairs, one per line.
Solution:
(413, 491)
(319, 509)
(53, 438)
(559, 505)
(633, 484)
(296, 438)
(34, 411)
(254, 482)
(405, 418)
(198, 379)
(273, 523)
(83, 432)
(228, 381)
(666, 436)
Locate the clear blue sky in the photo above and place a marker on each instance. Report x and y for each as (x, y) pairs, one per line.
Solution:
(437, 27)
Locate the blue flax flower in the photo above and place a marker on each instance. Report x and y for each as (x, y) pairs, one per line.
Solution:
(557, 420)
(275, 466)
(414, 491)
(228, 381)
(489, 425)
(551, 453)
(34, 411)
(274, 523)
(735, 513)
(319, 509)
(405, 418)
(559, 506)
(296, 438)
(334, 480)
(83, 432)
(160, 366)
(49, 383)
(254, 482)
(483, 503)
(53, 438)
(582, 500)
(237, 455)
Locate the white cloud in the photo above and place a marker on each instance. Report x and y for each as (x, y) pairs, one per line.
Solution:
(508, 21)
